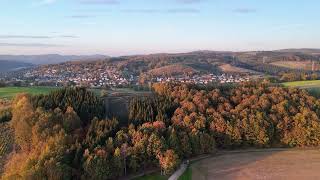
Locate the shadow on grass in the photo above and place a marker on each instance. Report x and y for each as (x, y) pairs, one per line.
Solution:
(153, 176)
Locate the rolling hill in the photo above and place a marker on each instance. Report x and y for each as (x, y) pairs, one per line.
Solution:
(9, 65)
(270, 63)
(49, 58)
(172, 70)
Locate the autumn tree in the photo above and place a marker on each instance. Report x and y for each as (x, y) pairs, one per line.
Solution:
(169, 161)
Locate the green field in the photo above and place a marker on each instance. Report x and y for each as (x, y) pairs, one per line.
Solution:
(10, 92)
(154, 176)
(313, 87)
(187, 175)
(303, 84)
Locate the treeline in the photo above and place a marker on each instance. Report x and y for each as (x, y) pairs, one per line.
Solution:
(288, 77)
(264, 67)
(53, 142)
(148, 109)
(252, 114)
(86, 104)
(181, 121)
(284, 74)
(142, 64)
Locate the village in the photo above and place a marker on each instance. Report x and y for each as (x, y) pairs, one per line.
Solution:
(205, 79)
(112, 77)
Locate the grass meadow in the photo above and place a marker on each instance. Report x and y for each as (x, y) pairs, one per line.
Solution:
(313, 87)
(11, 92)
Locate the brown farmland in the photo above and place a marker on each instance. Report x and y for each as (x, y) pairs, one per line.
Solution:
(269, 164)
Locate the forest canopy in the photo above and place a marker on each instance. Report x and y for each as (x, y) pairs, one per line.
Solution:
(64, 135)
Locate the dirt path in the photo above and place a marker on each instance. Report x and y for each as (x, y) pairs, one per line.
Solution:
(256, 165)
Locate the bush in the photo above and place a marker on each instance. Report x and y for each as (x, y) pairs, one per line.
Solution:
(5, 115)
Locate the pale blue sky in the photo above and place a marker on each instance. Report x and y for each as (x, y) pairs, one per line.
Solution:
(123, 27)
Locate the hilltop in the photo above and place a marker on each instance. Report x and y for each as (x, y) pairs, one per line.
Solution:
(8, 65)
(49, 58)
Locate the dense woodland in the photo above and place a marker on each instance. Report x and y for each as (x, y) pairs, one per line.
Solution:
(55, 140)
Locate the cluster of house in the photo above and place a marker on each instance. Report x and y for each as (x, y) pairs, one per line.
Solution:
(98, 77)
(109, 76)
(205, 79)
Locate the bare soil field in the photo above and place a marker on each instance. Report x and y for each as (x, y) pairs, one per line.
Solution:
(273, 165)
(227, 68)
(305, 65)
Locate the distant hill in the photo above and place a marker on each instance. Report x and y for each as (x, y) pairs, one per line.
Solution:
(272, 63)
(49, 58)
(303, 50)
(8, 65)
(172, 70)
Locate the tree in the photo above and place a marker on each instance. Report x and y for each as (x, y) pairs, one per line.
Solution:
(98, 165)
(22, 120)
(71, 120)
(155, 146)
(117, 162)
(99, 131)
(185, 145)
(85, 103)
(173, 141)
(169, 161)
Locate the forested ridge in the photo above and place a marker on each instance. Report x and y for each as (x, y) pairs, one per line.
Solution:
(54, 140)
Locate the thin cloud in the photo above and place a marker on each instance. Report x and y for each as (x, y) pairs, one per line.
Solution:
(189, 1)
(163, 11)
(99, 1)
(244, 10)
(177, 11)
(80, 16)
(29, 45)
(44, 2)
(23, 37)
(35, 37)
(119, 1)
(67, 36)
(48, 1)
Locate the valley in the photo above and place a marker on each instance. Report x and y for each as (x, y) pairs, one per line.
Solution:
(203, 67)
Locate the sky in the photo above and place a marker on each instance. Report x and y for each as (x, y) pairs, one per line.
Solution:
(126, 27)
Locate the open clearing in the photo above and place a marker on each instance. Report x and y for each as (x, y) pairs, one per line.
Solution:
(265, 164)
(306, 65)
(227, 68)
(303, 84)
(313, 87)
(10, 92)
